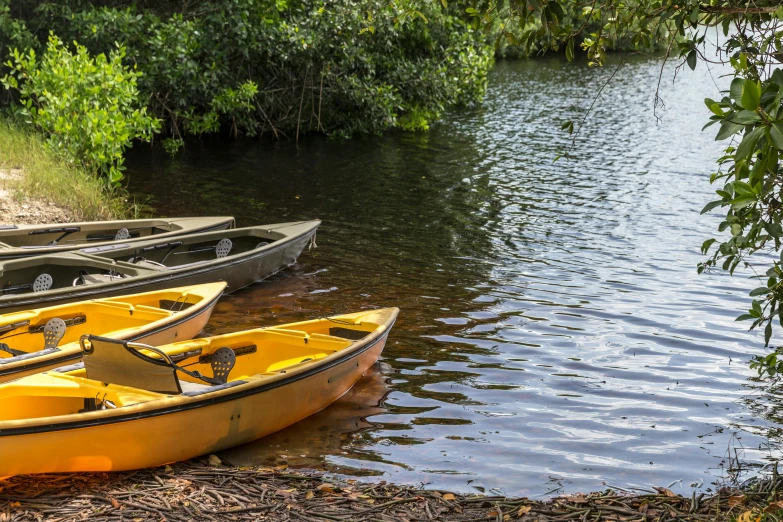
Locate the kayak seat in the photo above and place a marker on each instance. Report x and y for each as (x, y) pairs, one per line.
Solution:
(53, 332)
(92, 279)
(223, 247)
(222, 361)
(122, 234)
(42, 283)
(124, 363)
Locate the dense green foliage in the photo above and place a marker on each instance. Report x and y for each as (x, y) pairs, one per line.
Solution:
(88, 107)
(285, 68)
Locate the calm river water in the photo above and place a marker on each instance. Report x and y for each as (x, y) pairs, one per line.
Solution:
(554, 332)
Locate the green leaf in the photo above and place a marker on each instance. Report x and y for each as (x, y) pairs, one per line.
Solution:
(776, 135)
(744, 317)
(767, 333)
(751, 95)
(709, 206)
(692, 58)
(743, 189)
(569, 50)
(748, 144)
(740, 203)
(735, 90)
(728, 129)
(745, 117)
(714, 107)
(762, 290)
(706, 245)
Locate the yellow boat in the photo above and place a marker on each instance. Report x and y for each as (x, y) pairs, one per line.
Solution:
(37, 340)
(221, 391)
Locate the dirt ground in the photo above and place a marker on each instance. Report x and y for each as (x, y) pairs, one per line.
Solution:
(29, 211)
(206, 489)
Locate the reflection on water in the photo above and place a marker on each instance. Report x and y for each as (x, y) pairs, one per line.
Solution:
(553, 328)
(324, 433)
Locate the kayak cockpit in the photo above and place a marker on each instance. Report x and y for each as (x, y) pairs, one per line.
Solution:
(189, 250)
(42, 273)
(120, 374)
(23, 336)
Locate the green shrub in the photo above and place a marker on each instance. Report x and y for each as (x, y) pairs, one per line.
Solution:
(282, 67)
(88, 107)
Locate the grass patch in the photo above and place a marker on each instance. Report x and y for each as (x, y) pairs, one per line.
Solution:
(32, 173)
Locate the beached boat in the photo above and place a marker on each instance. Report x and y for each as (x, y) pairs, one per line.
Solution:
(239, 257)
(30, 240)
(131, 406)
(36, 340)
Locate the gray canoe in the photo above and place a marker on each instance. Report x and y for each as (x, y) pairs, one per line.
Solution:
(32, 240)
(238, 256)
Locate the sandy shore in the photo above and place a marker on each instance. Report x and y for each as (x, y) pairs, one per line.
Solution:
(17, 211)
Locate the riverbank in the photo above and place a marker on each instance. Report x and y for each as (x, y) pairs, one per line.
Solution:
(38, 187)
(207, 490)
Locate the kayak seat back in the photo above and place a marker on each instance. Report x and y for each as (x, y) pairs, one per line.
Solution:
(53, 332)
(123, 363)
(122, 234)
(222, 361)
(223, 247)
(42, 283)
(115, 362)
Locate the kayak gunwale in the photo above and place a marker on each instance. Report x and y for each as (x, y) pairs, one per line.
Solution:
(10, 252)
(246, 388)
(205, 306)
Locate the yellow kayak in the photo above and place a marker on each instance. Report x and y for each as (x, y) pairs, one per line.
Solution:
(210, 394)
(37, 340)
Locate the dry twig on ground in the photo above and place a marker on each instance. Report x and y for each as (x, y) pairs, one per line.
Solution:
(195, 490)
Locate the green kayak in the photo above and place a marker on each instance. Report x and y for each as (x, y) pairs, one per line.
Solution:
(32, 240)
(238, 256)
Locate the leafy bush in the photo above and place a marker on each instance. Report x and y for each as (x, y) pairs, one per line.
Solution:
(283, 68)
(87, 107)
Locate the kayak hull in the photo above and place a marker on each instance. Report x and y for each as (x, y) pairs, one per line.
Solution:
(161, 328)
(237, 271)
(179, 428)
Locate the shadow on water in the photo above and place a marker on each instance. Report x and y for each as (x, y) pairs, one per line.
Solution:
(553, 328)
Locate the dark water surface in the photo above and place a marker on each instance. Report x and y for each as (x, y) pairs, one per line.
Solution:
(553, 332)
